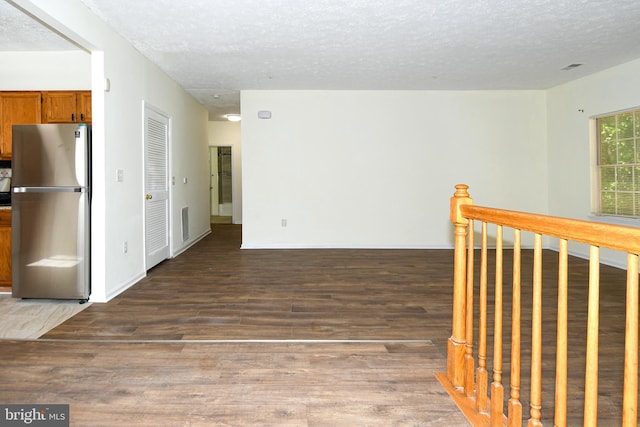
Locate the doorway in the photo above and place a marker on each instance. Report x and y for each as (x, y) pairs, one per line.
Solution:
(220, 184)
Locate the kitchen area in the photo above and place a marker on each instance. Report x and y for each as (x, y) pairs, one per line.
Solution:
(47, 50)
(28, 180)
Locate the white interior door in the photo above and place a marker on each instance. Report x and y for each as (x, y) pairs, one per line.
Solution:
(156, 177)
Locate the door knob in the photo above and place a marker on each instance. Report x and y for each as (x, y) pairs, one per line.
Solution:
(148, 197)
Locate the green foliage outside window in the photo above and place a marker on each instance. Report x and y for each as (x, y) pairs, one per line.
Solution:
(619, 164)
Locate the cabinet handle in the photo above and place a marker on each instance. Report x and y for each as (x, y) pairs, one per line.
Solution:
(82, 117)
(73, 117)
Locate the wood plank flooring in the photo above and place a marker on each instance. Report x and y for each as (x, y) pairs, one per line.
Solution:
(149, 357)
(232, 384)
(217, 291)
(205, 339)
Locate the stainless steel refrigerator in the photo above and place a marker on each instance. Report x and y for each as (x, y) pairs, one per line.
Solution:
(50, 202)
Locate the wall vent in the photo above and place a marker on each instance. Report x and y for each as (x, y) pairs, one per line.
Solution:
(185, 223)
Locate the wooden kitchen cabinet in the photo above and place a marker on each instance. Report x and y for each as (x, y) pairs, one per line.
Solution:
(16, 108)
(84, 105)
(5, 247)
(66, 107)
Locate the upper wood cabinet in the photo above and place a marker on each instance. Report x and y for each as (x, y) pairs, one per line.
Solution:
(66, 107)
(16, 108)
(84, 105)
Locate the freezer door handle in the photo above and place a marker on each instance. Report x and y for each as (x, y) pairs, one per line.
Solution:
(49, 189)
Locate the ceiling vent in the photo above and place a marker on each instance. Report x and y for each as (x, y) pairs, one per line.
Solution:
(571, 67)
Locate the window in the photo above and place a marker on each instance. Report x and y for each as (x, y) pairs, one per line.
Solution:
(618, 164)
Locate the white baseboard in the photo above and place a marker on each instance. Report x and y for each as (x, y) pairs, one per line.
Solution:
(192, 242)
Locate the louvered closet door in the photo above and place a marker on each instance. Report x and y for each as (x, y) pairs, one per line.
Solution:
(156, 137)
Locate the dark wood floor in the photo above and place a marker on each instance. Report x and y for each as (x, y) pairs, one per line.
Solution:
(217, 291)
(231, 384)
(206, 339)
(369, 329)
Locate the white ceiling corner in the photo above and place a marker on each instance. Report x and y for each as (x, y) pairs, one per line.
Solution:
(21, 32)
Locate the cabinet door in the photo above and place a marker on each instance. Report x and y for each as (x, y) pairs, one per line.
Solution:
(83, 102)
(16, 108)
(5, 248)
(59, 107)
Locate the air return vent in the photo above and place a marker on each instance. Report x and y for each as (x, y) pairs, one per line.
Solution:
(185, 223)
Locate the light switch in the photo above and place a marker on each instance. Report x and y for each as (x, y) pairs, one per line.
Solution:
(119, 175)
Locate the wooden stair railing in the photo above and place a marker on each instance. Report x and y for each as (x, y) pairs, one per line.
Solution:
(467, 383)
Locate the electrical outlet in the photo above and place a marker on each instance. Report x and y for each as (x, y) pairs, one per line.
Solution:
(125, 247)
(283, 222)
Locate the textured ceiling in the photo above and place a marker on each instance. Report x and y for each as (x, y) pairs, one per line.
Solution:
(216, 48)
(19, 32)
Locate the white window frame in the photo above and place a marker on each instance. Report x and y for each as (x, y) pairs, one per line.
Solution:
(596, 213)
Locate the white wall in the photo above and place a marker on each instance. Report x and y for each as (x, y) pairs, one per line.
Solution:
(67, 70)
(117, 144)
(612, 90)
(228, 134)
(377, 168)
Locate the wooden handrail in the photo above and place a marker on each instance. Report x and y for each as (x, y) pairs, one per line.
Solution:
(468, 382)
(617, 237)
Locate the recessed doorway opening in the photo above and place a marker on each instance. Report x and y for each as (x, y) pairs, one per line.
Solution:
(220, 185)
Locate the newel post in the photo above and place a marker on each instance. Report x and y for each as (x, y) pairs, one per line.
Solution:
(456, 345)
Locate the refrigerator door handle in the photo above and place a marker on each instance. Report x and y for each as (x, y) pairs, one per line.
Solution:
(81, 155)
(49, 189)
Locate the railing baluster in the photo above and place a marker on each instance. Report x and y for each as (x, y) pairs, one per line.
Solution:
(515, 406)
(560, 418)
(591, 370)
(497, 389)
(630, 394)
(536, 335)
(482, 376)
(469, 383)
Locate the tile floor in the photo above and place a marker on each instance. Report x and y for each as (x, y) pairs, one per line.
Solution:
(31, 318)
